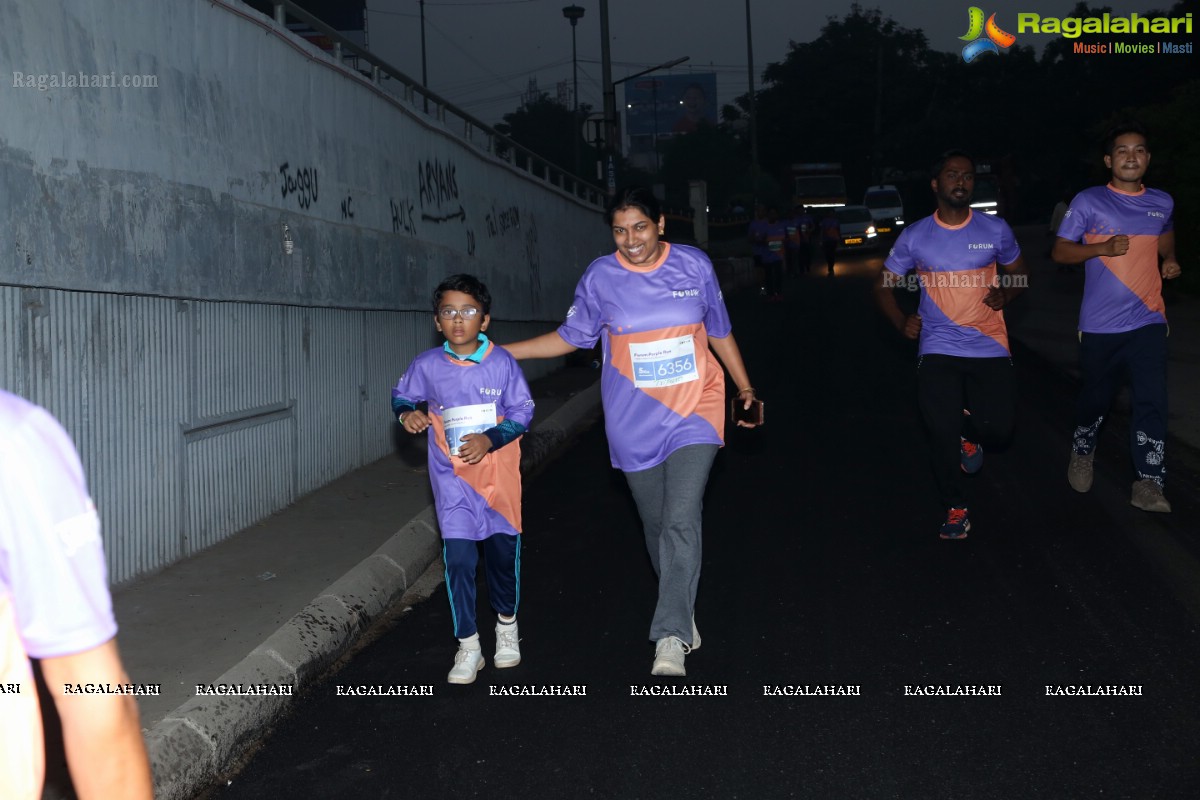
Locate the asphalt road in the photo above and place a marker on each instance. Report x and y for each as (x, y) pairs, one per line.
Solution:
(822, 568)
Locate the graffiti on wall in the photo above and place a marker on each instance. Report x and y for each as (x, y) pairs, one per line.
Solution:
(302, 183)
(438, 186)
(402, 216)
(439, 197)
(502, 221)
(533, 260)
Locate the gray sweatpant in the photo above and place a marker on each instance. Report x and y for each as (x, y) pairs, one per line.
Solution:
(669, 499)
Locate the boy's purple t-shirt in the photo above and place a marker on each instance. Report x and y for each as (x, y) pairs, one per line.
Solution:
(1120, 293)
(661, 386)
(473, 501)
(956, 268)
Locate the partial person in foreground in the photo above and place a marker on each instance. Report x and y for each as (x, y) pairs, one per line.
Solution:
(1124, 233)
(658, 311)
(55, 607)
(968, 268)
(478, 405)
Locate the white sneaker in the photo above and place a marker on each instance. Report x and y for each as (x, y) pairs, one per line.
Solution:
(467, 664)
(508, 651)
(668, 657)
(695, 636)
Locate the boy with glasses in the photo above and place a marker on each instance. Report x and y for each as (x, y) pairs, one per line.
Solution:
(479, 404)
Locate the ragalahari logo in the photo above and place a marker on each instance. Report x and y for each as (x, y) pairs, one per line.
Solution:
(996, 40)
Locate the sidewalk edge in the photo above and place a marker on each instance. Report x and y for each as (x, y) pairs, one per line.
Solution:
(193, 744)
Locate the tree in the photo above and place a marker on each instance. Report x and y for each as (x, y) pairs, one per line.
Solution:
(852, 95)
(711, 153)
(551, 131)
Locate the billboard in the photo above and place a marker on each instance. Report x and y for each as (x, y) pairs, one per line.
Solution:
(660, 105)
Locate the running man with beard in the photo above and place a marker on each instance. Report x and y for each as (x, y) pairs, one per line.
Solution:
(965, 372)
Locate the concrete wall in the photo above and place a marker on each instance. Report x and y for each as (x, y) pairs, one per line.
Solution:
(215, 266)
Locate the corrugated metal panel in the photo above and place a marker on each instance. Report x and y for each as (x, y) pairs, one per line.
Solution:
(236, 478)
(10, 325)
(390, 342)
(324, 372)
(239, 435)
(108, 367)
(238, 358)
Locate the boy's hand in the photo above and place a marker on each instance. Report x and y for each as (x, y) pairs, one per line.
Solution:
(473, 447)
(1171, 269)
(415, 421)
(912, 326)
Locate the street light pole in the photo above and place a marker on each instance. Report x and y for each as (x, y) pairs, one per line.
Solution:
(574, 14)
(753, 122)
(610, 104)
(424, 76)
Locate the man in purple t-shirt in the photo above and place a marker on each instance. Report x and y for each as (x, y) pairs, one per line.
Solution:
(55, 607)
(1121, 231)
(964, 376)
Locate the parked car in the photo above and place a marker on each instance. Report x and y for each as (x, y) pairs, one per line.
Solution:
(857, 227)
(887, 209)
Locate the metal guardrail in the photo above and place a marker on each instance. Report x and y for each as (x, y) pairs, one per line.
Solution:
(421, 100)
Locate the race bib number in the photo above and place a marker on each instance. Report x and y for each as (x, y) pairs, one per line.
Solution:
(664, 363)
(461, 420)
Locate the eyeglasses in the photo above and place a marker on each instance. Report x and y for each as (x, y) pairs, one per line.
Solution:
(465, 314)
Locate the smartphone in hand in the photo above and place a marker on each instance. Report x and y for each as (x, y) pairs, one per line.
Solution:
(752, 415)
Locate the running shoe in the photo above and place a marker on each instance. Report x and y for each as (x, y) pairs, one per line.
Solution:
(668, 657)
(970, 456)
(467, 664)
(956, 525)
(1148, 496)
(1079, 471)
(508, 649)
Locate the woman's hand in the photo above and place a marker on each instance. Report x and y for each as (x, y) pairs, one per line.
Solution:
(747, 397)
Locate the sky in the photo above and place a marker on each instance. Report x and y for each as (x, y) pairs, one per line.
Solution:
(481, 54)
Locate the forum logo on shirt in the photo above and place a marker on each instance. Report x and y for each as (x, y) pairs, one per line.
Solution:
(994, 39)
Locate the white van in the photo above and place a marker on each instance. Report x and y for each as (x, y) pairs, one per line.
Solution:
(886, 207)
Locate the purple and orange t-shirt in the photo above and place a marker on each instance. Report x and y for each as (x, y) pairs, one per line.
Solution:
(473, 501)
(1120, 293)
(956, 268)
(775, 235)
(661, 386)
(54, 598)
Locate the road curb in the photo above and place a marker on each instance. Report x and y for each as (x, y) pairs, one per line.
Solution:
(205, 736)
